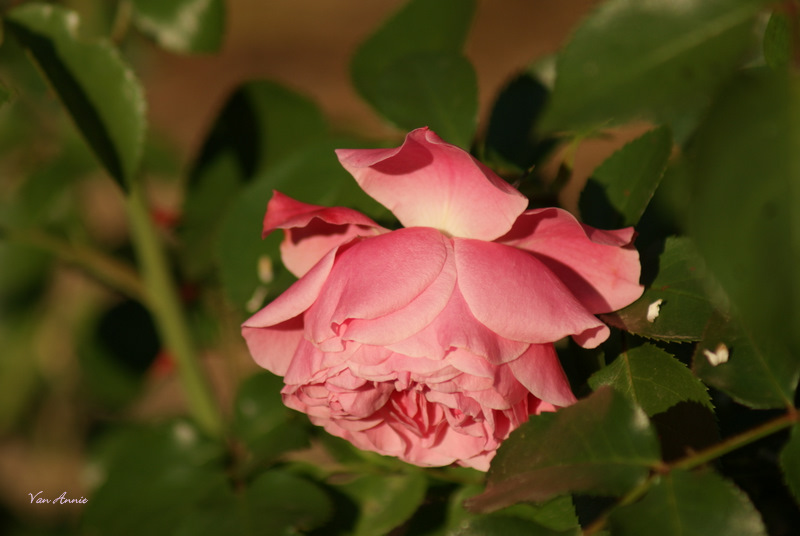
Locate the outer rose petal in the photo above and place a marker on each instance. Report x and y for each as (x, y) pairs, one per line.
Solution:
(273, 348)
(273, 333)
(311, 231)
(515, 295)
(601, 268)
(429, 183)
(376, 277)
(540, 372)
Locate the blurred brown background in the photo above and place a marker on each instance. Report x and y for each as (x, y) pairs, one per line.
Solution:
(307, 45)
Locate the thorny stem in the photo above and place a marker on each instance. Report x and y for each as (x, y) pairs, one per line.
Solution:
(170, 319)
(699, 458)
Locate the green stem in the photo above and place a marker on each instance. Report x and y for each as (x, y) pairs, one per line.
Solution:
(699, 458)
(732, 443)
(169, 317)
(110, 271)
(122, 21)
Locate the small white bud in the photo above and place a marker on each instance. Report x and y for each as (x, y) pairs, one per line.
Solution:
(718, 356)
(653, 310)
(265, 271)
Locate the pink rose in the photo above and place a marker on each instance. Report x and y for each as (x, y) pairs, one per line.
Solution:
(433, 342)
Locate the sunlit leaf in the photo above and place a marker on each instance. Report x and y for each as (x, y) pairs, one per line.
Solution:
(619, 190)
(684, 307)
(95, 85)
(406, 50)
(745, 193)
(652, 379)
(601, 445)
(385, 501)
(647, 58)
(182, 25)
(790, 462)
(690, 504)
(757, 371)
(434, 89)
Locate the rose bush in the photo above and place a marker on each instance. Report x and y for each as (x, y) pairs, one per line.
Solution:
(433, 342)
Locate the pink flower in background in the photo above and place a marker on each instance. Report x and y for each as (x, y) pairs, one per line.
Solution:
(433, 342)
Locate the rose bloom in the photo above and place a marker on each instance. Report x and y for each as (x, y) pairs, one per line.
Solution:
(434, 341)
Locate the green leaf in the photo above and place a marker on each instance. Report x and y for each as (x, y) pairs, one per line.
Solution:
(182, 25)
(434, 89)
(690, 504)
(684, 308)
(790, 462)
(261, 420)
(600, 445)
(154, 477)
(556, 515)
(745, 171)
(505, 525)
(420, 27)
(511, 137)
(276, 502)
(385, 501)
(759, 372)
(20, 381)
(652, 379)
(260, 125)
(647, 58)
(95, 85)
(778, 41)
(313, 175)
(5, 94)
(620, 189)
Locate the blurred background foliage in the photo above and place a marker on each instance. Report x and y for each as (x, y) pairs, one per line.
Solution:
(680, 118)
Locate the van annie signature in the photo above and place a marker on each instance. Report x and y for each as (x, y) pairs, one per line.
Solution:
(61, 499)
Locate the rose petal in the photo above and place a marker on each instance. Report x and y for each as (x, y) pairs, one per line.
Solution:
(419, 312)
(456, 327)
(311, 231)
(272, 348)
(601, 268)
(373, 278)
(429, 183)
(515, 295)
(297, 298)
(539, 370)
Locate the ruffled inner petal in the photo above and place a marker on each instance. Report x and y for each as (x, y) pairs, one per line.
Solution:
(455, 327)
